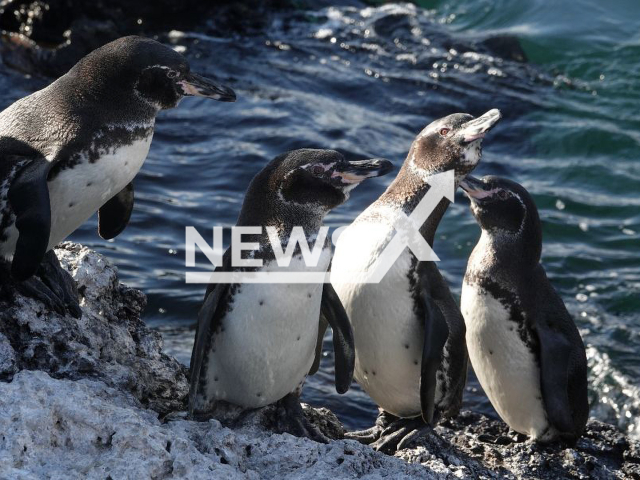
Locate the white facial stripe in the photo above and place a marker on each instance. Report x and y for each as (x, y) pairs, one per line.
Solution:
(526, 212)
(316, 206)
(498, 232)
(432, 128)
(146, 100)
(162, 67)
(325, 166)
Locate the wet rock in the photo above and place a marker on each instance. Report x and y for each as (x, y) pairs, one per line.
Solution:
(89, 398)
(475, 445)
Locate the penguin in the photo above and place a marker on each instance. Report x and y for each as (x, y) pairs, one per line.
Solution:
(409, 332)
(256, 342)
(523, 345)
(74, 147)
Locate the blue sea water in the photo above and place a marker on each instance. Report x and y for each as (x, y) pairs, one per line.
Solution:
(365, 81)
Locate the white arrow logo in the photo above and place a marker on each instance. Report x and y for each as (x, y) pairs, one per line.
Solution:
(442, 185)
(408, 228)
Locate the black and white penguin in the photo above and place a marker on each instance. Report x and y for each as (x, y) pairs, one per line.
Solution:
(409, 333)
(75, 146)
(256, 342)
(524, 347)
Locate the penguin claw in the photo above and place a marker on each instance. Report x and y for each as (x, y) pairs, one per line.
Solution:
(52, 286)
(412, 437)
(34, 288)
(365, 437)
(61, 283)
(388, 443)
(391, 434)
(371, 435)
(290, 418)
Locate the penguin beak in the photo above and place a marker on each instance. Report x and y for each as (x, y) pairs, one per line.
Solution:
(193, 84)
(352, 173)
(475, 189)
(478, 127)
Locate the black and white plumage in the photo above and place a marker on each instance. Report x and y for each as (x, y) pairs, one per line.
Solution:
(75, 146)
(409, 333)
(256, 342)
(523, 344)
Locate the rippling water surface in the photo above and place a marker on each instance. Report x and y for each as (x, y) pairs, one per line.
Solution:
(365, 81)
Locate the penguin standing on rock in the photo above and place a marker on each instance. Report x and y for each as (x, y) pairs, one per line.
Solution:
(524, 347)
(256, 342)
(74, 148)
(409, 333)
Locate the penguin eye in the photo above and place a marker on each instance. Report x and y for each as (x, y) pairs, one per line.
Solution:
(172, 74)
(502, 195)
(317, 170)
(444, 131)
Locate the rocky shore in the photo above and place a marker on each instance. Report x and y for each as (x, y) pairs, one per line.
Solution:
(97, 398)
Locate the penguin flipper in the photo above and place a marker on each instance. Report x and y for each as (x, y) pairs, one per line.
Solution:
(436, 332)
(29, 200)
(343, 345)
(114, 215)
(555, 358)
(209, 318)
(563, 360)
(553, 326)
(322, 328)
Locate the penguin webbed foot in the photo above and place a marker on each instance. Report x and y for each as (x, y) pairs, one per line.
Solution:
(401, 434)
(53, 286)
(370, 435)
(290, 418)
(391, 433)
(366, 437)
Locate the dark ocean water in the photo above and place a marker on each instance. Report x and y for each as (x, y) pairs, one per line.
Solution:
(365, 81)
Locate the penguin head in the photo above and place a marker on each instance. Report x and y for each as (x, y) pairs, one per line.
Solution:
(453, 142)
(157, 74)
(503, 208)
(320, 179)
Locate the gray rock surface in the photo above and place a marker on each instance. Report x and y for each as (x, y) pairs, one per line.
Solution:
(110, 342)
(603, 452)
(59, 428)
(89, 398)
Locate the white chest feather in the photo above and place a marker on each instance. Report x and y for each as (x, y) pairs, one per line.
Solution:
(267, 343)
(387, 333)
(76, 193)
(504, 365)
